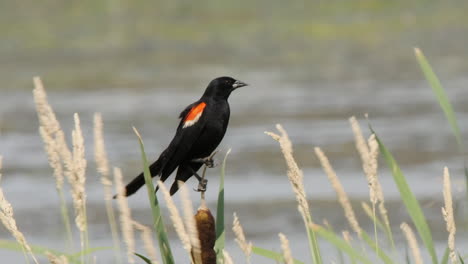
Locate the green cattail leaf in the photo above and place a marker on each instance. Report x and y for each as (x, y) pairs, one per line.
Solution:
(161, 233)
(145, 259)
(220, 234)
(341, 244)
(411, 203)
(271, 254)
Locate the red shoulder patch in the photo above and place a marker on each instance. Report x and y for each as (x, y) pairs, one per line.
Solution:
(194, 114)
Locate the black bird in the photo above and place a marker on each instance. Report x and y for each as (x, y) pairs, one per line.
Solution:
(202, 127)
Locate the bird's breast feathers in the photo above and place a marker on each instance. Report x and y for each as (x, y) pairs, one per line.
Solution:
(194, 115)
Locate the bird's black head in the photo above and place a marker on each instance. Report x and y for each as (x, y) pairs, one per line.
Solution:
(222, 87)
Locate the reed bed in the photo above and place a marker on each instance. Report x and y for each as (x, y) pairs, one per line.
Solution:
(203, 236)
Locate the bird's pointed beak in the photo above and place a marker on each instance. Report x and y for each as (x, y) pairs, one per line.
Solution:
(238, 84)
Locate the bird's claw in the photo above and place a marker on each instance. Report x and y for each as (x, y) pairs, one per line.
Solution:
(208, 161)
(202, 185)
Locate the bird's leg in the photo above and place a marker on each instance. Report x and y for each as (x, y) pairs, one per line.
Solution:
(202, 182)
(208, 161)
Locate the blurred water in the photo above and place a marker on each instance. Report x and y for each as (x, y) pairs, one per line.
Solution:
(404, 113)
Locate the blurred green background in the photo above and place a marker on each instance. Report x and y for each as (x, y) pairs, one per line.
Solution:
(119, 43)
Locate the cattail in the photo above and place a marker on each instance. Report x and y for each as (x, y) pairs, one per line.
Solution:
(287, 255)
(53, 259)
(295, 174)
(342, 196)
(207, 234)
(240, 238)
(126, 221)
(8, 220)
(447, 212)
(176, 218)
(413, 243)
(147, 241)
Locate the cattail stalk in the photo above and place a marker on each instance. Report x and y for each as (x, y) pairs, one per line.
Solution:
(102, 165)
(447, 212)
(126, 221)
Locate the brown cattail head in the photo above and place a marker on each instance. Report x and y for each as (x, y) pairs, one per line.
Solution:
(207, 234)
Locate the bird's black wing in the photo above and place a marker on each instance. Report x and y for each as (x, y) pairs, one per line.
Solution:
(192, 122)
(186, 135)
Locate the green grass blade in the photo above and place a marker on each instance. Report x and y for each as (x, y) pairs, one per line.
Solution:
(271, 254)
(440, 94)
(411, 203)
(375, 247)
(444, 259)
(220, 234)
(38, 250)
(444, 104)
(89, 251)
(145, 259)
(164, 246)
(342, 245)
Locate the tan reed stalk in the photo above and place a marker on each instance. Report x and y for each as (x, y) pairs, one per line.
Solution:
(190, 224)
(125, 216)
(347, 236)
(340, 192)
(296, 176)
(102, 165)
(447, 212)
(287, 255)
(176, 218)
(52, 127)
(145, 233)
(56, 149)
(227, 258)
(369, 152)
(8, 220)
(240, 238)
(369, 161)
(77, 182)
(412, 242)
(53, 259)
(1, 164)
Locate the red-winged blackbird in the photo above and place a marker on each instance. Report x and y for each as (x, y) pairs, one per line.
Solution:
(201, 129)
